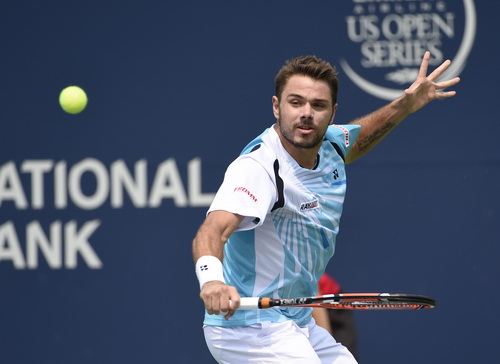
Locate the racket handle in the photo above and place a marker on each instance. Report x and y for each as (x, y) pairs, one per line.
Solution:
(249, 303)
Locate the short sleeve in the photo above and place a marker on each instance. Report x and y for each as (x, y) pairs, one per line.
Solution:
(343, 135)
(247, 190)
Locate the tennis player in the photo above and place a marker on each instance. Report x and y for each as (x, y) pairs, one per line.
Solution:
(271, 228)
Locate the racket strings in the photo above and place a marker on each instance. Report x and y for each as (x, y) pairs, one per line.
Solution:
(370, 305)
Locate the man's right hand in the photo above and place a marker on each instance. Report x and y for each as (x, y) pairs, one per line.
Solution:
(219, 298)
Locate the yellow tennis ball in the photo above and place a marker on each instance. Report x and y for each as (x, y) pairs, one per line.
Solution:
(73, 99)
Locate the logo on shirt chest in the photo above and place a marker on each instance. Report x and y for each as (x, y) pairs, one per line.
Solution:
(310, 205)
(335, 174)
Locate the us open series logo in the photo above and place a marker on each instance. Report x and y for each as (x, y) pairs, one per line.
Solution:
(387, 40)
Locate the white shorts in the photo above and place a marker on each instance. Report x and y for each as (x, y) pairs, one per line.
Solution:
(271, 342)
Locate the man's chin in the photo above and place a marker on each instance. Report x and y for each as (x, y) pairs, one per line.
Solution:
(307, 142)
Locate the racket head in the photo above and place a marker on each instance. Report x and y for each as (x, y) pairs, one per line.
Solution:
(373, 301)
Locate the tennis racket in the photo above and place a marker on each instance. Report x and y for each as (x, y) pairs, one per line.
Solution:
(344, 301)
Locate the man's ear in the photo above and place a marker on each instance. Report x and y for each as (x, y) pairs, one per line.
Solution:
(276, 107)
(333, 113)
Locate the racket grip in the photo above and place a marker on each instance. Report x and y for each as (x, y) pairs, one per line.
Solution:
(249, 303)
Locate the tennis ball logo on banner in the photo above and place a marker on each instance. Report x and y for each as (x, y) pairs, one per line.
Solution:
(387, 40)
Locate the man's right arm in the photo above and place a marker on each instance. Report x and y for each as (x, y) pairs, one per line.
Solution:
(208, 245)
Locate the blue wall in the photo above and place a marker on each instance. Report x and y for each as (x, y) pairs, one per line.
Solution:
(95, 272)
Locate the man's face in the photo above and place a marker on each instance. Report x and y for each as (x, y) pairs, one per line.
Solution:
(303, 114)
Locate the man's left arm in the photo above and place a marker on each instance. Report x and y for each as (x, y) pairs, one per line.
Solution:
(375, 126)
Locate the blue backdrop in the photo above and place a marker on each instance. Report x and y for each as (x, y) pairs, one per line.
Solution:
(98, 210)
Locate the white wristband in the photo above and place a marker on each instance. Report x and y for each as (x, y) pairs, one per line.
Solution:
(208, 269)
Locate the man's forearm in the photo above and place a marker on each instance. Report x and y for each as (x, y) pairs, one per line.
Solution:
(206, 242)
(213, 234)
(375, 126)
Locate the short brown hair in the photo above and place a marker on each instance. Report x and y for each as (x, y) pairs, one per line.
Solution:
(310, 66)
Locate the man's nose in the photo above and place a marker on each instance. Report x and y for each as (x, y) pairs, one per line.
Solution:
(307, 111)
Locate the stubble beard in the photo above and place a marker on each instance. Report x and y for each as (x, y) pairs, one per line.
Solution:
(304, 144)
